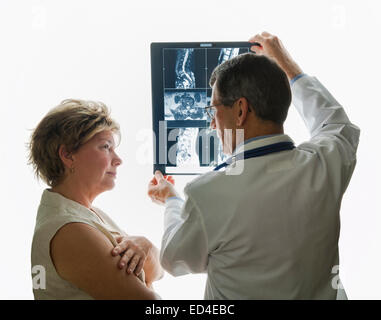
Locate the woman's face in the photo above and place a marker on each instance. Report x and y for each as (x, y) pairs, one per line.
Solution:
(95, 163)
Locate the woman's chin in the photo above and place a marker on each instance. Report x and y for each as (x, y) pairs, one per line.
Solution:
(109, 185)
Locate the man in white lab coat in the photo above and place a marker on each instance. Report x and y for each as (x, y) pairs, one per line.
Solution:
(266, 226)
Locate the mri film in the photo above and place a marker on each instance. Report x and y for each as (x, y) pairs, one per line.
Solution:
(186, 149)
(184, 105)
(184, 68)
(193, 146)
(217, 56)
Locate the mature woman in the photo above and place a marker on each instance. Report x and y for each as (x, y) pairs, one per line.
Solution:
(73, 151)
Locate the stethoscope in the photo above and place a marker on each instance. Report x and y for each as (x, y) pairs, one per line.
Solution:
(257, 152)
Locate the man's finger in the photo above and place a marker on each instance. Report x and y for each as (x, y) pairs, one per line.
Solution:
(266, 34)
(158, 175)
(171, 180)
(257, 46)
(153, 182)
(152, 190)
(257, 38)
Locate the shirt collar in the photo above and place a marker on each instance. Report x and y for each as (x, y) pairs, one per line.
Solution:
(56, 200)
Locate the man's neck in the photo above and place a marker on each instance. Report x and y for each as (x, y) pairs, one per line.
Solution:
(256, 132)
(263, 130)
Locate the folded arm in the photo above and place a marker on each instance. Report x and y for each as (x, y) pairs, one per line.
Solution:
(81, 255)
(137, 254)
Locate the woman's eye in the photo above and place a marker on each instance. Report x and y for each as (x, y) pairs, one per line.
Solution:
(106, 146)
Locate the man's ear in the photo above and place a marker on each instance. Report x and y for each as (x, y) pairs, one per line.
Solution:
(243, 109)
(65, 156)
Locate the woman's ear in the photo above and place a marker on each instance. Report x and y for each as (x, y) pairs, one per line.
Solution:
(65, 156)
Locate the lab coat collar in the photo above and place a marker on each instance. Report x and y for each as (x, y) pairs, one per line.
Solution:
(262, 142)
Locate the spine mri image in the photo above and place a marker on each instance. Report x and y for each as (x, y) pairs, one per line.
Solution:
(184, 65)
(186, 93)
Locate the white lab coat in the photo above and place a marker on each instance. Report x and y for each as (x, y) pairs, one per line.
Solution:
(272, 231)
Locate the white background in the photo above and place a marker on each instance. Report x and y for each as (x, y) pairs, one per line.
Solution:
(100, 50)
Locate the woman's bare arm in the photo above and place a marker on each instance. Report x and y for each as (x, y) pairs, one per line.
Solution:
(81, 255)
(146, 254)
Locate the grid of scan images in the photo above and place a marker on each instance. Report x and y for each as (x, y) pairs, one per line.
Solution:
(186, 93)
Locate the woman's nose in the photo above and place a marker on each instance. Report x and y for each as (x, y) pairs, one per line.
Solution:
(117, 161)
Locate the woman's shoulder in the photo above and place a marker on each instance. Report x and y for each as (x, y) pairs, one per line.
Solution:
(55, 209)
(51, 217)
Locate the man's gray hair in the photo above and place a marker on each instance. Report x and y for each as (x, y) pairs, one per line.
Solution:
(257, 78)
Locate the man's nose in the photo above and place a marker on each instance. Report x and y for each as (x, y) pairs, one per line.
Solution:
(213, 124)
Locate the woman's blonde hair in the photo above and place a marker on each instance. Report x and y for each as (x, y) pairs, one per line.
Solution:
(72, 124)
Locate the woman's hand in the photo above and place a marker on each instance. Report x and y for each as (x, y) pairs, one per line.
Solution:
(134, 251)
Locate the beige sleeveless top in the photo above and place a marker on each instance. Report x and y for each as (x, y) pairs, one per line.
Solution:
(53, 213)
